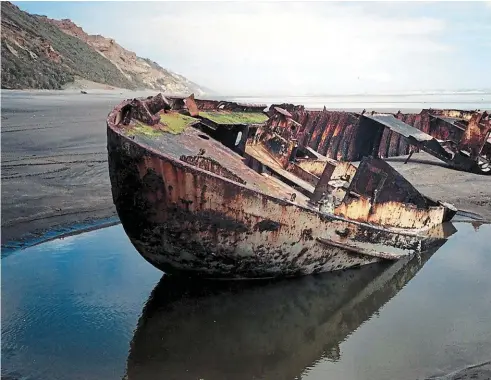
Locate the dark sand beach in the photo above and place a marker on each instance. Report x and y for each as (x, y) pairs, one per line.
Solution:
(54, 164)
(54, 161)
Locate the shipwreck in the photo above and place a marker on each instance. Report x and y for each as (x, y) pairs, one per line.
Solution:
(225, 190)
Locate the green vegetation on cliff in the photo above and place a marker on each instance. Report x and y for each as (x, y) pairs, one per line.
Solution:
(37, 54)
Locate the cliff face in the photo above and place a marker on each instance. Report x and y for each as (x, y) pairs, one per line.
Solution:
(38, 52)
(135, 69)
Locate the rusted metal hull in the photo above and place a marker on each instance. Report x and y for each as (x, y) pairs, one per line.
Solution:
(189, 202)
(182, 218)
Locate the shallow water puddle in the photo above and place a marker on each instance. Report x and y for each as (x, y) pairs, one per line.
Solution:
(89, 307)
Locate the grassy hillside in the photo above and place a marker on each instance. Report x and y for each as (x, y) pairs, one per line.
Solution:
(37, 54)
(21, 71)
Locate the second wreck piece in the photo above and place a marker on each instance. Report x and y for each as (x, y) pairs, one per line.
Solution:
(461, 143)
(459, 138)
(219, 190)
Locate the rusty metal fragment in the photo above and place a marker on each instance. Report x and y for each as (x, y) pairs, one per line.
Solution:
(475, 135)
(140, 111)
(157, 103)
(191, 105)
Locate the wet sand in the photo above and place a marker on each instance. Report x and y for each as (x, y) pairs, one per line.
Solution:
(54, 164)
(481, 371)
(54, 160)
(432, 177)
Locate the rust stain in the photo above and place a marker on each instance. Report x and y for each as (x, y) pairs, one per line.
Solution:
(211, 165)
(315, 167)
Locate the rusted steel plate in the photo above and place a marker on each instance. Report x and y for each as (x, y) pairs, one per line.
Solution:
(342, 136)
(450, 126)
(140, 111)
(191, 105)
(368, 138)
(445, 129)
(379, 194)
(346, 148)
(375, 174)
(417, 138)
(476, 134)
(451, 113)
(282, 111)
(316, 133)
(176, 102)
(292, 108)
(312, 119)
(214, 228)
(336, 137)
(330, 137)
(207, 105)
(345, 136)
(316, 167)
(211, 165)
(385, 143)
(327, 131)
(399, 127)
(389, 214)
(404, 146)
(394, 144)
(303, 174)
(261, 153)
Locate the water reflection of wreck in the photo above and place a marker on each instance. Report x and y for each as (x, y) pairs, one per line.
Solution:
(227, 190)
(270, 331)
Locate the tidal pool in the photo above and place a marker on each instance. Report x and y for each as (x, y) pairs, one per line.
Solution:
(89, 307)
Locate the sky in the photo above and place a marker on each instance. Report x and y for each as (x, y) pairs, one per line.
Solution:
(300, 48)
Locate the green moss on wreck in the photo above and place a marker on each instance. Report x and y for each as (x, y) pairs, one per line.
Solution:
(141, 129)
(176, 123)
(229, 117)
